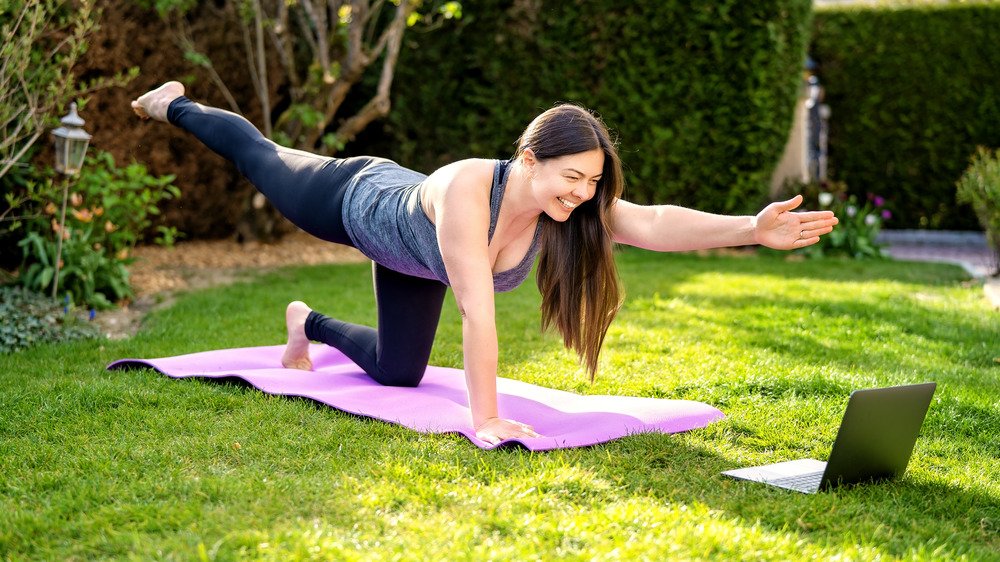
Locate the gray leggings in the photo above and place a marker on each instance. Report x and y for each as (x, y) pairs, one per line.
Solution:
(309, 189)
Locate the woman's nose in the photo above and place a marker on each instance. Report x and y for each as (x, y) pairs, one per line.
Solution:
(582, 193)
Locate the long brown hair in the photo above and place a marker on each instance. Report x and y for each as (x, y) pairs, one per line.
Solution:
(576, 274)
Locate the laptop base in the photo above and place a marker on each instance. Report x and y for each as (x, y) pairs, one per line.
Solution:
(803, 475)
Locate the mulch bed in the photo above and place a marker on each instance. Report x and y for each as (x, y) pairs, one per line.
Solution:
(202, 263)
(158, 273)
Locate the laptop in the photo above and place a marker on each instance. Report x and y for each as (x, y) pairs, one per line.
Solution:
(875, 441)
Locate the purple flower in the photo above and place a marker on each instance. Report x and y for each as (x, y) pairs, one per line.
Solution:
(886, 214)
(879, 201)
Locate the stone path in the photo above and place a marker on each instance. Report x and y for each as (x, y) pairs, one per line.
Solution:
(967, 249)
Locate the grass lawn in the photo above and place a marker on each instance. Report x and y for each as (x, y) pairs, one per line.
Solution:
(95, 464)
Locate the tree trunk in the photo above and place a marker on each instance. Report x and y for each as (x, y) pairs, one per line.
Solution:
(306, 57)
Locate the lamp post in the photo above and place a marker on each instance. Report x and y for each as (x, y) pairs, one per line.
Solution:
(71, 143)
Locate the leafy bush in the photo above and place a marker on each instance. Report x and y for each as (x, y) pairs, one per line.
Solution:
(108, 210)
(41, 41)
(979, 186)
(43, 44)
(31, 319)
(860, 223)
(701, 94)
(913, 91)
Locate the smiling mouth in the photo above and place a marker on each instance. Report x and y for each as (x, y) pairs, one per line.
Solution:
(566, 203)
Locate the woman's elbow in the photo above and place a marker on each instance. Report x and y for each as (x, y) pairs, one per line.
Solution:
(476, 314)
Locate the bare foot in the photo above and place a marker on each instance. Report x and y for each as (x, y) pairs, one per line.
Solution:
(154, 103)
(296, 354)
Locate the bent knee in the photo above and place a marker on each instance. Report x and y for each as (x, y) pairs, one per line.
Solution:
(409, 377)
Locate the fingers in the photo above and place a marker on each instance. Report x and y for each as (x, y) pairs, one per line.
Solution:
(497, 430)
(806, 216)
(529, 431)
(810, 231)
(803, 242)
(790, 204)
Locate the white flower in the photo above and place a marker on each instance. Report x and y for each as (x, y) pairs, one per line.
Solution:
(851, 210)
(825, 199)
(870, 220)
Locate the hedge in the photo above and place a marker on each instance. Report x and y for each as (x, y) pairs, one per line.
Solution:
(913, 90)
(701, 94)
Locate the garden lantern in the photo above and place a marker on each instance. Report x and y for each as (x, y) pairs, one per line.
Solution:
(71, 148)
(71, 143)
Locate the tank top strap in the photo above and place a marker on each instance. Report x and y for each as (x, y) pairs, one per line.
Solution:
(500, 173)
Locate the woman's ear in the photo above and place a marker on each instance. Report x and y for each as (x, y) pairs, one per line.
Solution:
(528, 158)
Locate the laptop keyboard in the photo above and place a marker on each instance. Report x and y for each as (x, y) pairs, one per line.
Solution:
(807, 483)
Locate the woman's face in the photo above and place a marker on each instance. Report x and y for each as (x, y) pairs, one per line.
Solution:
(564, 183)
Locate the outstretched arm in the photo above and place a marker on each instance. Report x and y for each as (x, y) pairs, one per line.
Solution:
(668, 228)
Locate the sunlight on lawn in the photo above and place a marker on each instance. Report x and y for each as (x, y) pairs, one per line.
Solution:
(116, 464)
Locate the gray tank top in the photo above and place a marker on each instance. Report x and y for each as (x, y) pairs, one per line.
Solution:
(384, 218)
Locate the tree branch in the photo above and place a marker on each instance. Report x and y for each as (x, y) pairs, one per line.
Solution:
(321, 25)
(355, 60)
(182, 38)
(374, 12)
(286, 56)
(263, 87)
(10, 163)
(380, 103)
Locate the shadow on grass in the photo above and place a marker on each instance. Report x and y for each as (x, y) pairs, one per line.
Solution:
(891, 517)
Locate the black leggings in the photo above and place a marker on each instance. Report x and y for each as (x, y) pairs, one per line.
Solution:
(309, 189)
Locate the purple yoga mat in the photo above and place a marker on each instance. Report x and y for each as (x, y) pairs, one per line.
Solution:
(439, 404)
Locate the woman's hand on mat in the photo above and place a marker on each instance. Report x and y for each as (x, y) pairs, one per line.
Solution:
(495, 430)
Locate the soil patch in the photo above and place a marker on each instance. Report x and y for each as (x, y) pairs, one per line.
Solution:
(158, 274)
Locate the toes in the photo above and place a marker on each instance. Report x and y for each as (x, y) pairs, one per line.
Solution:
(138, 109)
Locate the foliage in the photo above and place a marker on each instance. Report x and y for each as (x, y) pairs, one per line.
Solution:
(860, 223)
(40, 43)
(701, 94)
(134, 465)
(31, 319)
(304, 59)
(979, 186)
(108, 209)
(913, 91)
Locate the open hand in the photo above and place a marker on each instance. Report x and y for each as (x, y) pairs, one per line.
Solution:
(495, 430)
(779, 228)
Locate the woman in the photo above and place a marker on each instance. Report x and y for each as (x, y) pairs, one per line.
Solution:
(477, 226)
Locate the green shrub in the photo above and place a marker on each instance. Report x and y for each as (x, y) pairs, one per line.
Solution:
(108, 210)
(31, 319)
(860, 222)
(979, 186)
(700, 94)
(913, 90)
(41, 44)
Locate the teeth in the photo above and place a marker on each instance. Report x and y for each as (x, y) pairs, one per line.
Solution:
(566, 203)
